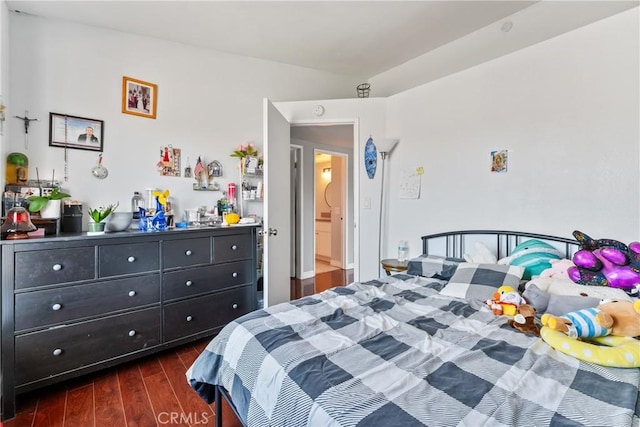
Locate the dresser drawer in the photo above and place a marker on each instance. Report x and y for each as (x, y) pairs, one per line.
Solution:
(48, 267)
(55, 351)
(200, 314)
(47, 307)
(128, 258)
(232, 248)
(195, 281)
(186, 252)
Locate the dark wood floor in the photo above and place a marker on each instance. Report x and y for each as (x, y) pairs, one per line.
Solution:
(152, 391)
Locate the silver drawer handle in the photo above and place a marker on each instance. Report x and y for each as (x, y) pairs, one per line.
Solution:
(56, 307)
(234, 247)
(57, 352)
(132, 332)
(131, 259)
(234, 306)
(188, 283)
(132, 293)
(57, 267)
(235, 274)
(188, 252)
(189, 318)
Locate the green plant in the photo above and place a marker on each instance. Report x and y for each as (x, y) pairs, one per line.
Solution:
(38, 202)
(101, 213)
(244, 151)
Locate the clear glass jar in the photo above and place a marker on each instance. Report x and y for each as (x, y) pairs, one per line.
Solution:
(137, 202)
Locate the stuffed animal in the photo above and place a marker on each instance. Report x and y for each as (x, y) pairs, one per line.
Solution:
(533, 255)
(524, 321)
(558, 268)
(606, 262)
(544, 302)
(505, 301)
(557, 286)
(618, 318)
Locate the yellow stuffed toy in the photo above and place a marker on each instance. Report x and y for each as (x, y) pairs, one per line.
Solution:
(610, 335)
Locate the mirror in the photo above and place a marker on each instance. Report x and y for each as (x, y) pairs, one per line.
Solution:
(326, 199)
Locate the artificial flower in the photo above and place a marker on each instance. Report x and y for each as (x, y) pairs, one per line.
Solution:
(162, 196)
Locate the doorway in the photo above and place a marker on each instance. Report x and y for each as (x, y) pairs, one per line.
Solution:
(324, 226)
(330, 200)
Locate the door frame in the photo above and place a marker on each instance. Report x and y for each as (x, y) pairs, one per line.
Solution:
(354, 237)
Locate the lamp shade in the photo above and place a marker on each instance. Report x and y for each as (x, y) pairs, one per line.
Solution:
(17, 224)
(385, 145)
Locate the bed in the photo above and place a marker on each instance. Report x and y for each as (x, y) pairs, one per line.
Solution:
(399, 351)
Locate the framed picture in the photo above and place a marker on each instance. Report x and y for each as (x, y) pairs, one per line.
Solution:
(139, 98)
(75, 132)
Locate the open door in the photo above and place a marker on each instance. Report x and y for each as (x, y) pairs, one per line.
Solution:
(277, 197)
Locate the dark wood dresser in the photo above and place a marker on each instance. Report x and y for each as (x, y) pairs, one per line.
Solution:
(76, 304)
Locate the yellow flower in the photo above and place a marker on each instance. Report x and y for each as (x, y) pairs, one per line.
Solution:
(162, 196)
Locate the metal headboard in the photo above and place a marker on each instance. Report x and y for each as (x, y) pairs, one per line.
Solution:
(455, 241)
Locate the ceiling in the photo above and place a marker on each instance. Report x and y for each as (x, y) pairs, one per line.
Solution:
(358, 38)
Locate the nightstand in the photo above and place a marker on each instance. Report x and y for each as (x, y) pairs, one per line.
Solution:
(394, 265)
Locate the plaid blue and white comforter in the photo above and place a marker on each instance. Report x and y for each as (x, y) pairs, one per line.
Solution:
(394, 352)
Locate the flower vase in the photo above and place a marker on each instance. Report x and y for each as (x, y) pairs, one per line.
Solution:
(51, 209)
(95, 228)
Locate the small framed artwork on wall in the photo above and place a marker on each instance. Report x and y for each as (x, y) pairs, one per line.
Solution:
(75, 132)
(139, 98)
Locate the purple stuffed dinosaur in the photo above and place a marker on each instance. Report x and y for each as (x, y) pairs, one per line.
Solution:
(606, 262)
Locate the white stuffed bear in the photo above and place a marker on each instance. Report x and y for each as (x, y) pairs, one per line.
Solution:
(559, 286)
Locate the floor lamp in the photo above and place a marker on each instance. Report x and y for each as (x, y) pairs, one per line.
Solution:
(384, 147)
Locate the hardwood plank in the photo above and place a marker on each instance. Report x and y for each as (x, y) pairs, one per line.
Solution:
(164, 402)
(188, 357)
(150, 366)
(26, 406)
(79, 408)
(51, 409)
(191, 403)
(229, 418)
(109, 411)
(135, 400)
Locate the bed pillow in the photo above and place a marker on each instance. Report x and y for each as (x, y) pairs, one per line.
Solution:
(534, 255)
(434, 266)
(473, 281)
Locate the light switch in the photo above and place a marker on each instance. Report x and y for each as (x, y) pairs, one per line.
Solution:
(366, 203)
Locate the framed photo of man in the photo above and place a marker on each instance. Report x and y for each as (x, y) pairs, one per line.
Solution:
(139, 98)
(75, 132)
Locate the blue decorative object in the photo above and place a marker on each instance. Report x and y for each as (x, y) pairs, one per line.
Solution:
(370, 158)
(157, 222)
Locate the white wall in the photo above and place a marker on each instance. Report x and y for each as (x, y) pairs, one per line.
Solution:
(567, 109)
(4, 73)
(208, 103)
(368, 116)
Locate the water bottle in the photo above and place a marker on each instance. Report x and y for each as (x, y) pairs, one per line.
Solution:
(137, 202)
(403, 250)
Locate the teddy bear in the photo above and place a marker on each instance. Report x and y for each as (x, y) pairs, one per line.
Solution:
(558, 268)
(524, 321)
(618, 318)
